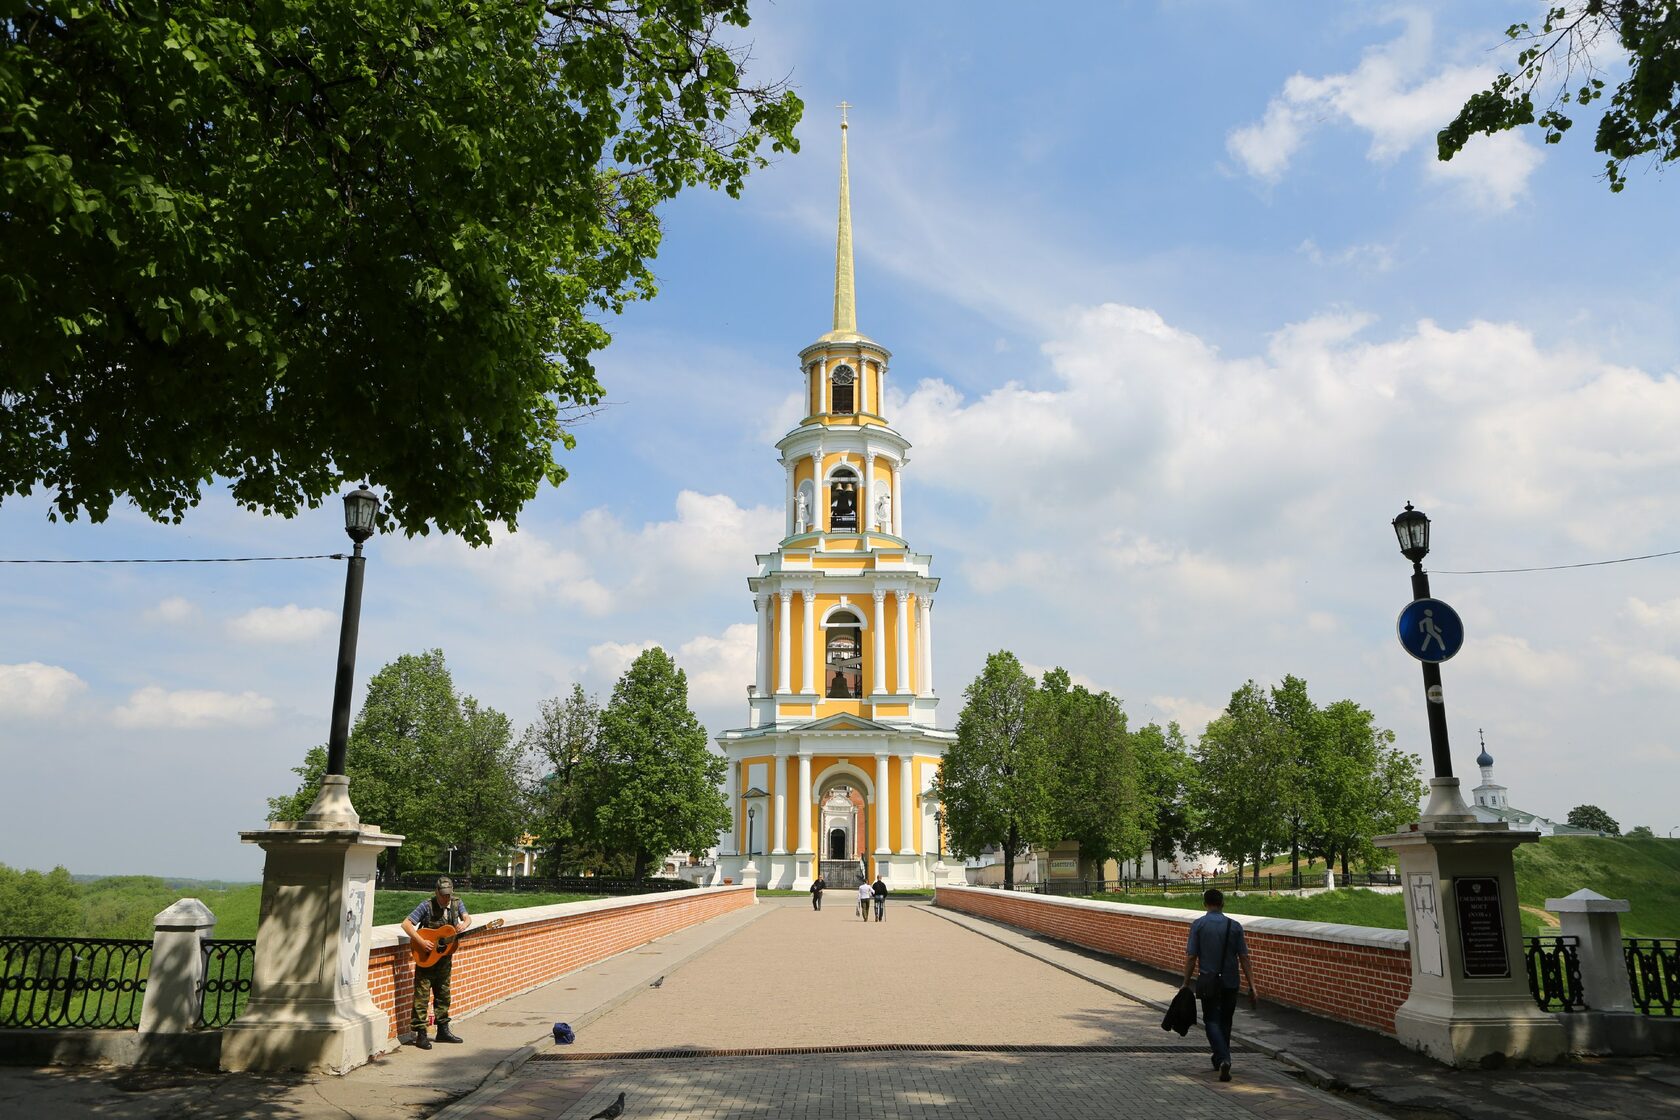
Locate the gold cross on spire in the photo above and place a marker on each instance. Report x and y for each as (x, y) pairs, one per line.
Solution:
(843, 106)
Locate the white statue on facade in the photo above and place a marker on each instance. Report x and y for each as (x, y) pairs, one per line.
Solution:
(801, 512)
(883, 512)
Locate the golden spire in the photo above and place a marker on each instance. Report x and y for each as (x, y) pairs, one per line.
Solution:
(845, 287)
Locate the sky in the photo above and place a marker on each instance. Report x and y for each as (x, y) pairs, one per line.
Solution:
(1183, 311)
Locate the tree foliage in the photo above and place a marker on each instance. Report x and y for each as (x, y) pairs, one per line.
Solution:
(299, 243)
(426, 763)
(563, 757)
(994, 781)
(33, 904)
(659, 782)
(1591, 816)
(1093, 771)
(1641, 832)
(1642, 117)
(1166, 810)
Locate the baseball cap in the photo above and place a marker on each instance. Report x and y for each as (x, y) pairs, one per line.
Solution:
(445, 885)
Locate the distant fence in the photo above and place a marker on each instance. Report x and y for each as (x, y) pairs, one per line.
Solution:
(569, 884)
(1198, 883)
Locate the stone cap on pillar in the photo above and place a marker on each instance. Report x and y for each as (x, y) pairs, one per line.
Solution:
(186, 913)
(1586, 901)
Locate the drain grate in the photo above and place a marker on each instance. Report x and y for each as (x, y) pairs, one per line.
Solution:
(866, 1048)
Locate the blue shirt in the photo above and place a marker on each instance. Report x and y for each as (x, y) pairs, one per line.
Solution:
(1206, 935)
(423, 912)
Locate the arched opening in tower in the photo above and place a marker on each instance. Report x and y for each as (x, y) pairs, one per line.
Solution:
(843, 670)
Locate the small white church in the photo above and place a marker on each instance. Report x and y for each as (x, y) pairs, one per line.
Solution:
(1491, 806)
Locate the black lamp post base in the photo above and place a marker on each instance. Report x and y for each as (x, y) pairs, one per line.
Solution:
(1446, 803)
(332, 803)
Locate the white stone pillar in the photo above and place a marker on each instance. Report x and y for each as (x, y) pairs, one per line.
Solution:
(879, 594)
(863, 386)
(924, 644)
(792, 497)
(780, 846)
(175, 989)
(883, 817)
(809, 675)
(869, 521)
(822, 384)
(906, 810)
(1595, 921)
(804, 795)
(898, 499)
(784, 647)
(902, 620)
(761, 605)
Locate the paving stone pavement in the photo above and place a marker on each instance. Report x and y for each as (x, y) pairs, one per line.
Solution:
(804, 979)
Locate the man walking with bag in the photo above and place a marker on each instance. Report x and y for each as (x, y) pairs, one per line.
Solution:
(1216, 948)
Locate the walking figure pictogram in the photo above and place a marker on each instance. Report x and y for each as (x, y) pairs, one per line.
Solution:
(1431, 632)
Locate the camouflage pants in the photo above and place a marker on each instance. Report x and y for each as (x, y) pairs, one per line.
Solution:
(431, 982)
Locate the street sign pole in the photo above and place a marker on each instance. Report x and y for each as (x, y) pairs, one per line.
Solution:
(1434, 701)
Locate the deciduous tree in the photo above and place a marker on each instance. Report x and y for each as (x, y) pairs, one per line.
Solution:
(299, 243)
(659, 781)
(1642, 117)
(1166, 813)
(1591, 816)
(562, 753)
(1093, 774)
(994, 781)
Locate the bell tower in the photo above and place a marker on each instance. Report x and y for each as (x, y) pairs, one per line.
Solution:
(845, 617)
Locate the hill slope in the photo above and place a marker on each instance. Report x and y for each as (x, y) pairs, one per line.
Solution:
(1645, 872)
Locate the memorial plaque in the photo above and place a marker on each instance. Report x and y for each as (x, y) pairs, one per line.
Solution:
(1481, 928)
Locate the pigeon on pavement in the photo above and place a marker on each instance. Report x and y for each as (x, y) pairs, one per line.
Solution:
(612, 1112)
(657, 982)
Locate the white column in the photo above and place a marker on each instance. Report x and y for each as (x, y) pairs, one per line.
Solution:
(883, 817)
(809, 675)
(906, 800)
(784, 648)
(819, 495)
(903, 622)
(924, 679)
(175, 992)
(792, 496)
(869, 490)
(927, 645)
(761, 605)
(898, 500)
(804, 795)
(880, 594)
(732, 790)
(822, 384)
(779, 848)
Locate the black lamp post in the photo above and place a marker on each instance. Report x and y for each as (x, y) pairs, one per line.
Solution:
(361, 508)
(939, 832)
(752, 811)
(1412, 530)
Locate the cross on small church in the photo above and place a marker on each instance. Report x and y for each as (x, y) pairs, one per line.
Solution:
(843, 106)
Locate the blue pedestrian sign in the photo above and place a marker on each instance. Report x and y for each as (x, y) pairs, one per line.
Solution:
(1430, 630)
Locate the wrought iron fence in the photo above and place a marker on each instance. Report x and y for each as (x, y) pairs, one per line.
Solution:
(1554, 971)
(1653, 966)
(571, 884)
(228, 966)
(74, 982)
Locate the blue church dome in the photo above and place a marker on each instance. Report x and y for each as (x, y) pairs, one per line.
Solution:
(1484, 759)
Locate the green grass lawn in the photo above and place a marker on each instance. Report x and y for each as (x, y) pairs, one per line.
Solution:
(1357, 907)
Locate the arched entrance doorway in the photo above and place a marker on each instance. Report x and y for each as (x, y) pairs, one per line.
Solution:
(844, 822)
(837, 843)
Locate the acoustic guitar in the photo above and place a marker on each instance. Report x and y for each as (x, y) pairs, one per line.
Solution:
(432, 945)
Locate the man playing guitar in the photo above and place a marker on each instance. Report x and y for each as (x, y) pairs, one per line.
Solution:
(442, 909)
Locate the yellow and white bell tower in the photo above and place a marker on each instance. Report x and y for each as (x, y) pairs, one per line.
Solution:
(832, 774)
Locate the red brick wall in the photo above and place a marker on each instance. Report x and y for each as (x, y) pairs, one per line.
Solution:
(1328, 975)
(523, 955)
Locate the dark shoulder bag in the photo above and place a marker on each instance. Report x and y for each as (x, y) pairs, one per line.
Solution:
(1210, 984)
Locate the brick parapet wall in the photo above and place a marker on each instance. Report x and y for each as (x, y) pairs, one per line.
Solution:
(538, 944)
(1352, 974)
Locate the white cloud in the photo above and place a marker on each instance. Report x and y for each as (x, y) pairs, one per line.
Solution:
(1509, 658)
(1400, 95)
(192, 709)
(172, 611)
(33, 690)
(1364, 257)
(720, 668)
(1192, 716)
(1656, 616)
(290, 623)
(608, 660)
